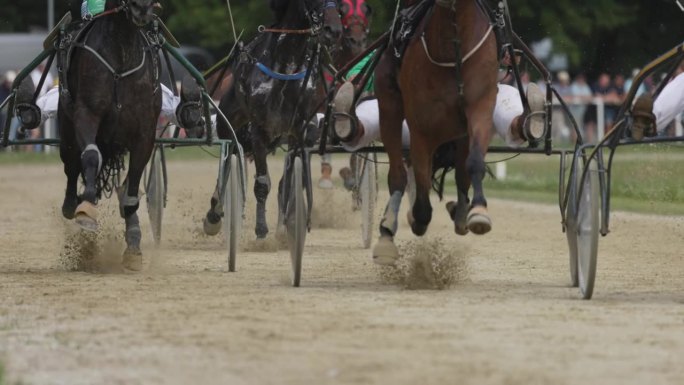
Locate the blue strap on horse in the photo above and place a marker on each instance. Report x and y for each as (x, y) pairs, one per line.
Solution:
(279, 76)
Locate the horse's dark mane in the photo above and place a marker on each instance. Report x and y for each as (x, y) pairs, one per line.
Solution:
(279, 8)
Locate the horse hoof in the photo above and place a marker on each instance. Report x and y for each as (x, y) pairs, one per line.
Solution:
(132, 259)
(457, 214)
(385, 252)
(409, 217)
(211, 228)
(86, 216)
(478, 220)
(325, 184)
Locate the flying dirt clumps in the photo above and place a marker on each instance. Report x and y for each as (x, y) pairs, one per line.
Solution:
(428, 264)
(98, 252)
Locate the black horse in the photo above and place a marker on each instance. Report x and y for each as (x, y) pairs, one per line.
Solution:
(109, 104)
(269, 101)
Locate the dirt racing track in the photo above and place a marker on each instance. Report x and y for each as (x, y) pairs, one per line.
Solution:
(505, 314)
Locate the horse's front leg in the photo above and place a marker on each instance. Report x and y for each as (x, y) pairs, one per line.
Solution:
(71, 159)
(129, 201)
(262, 185)
(85, 214)
(391, 112)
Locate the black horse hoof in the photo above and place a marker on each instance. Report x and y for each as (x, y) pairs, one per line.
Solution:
(68, 211)
(261, 231)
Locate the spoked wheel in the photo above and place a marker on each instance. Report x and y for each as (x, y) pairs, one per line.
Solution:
(368, 194)
(571, 222)
(588, 224)
(232, 209)
(296, 220)
(156, 193)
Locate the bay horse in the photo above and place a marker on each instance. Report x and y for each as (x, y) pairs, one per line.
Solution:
(109, 103)
(269, 101)
(445, 86)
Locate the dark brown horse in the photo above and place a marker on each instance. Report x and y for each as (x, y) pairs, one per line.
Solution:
(274, 93)
(109, 104)
(445, 87)
(356, 18)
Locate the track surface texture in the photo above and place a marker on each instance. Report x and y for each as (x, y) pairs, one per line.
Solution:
(495, 309)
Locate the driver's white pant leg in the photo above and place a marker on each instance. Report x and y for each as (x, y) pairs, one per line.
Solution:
(169, 104)
(508, 107)
(369, 115)
(48, 104)
(669, 103)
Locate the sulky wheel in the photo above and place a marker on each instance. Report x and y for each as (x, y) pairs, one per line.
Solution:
(155, 194)
(368, 194)
(296, 220)
(232, 208)
(588, 204)
(571, 221)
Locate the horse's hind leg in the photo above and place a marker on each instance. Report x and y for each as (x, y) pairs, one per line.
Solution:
(458, 211)
(421, 161)
(479, 115)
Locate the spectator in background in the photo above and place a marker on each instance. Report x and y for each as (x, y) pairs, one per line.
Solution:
(5, 87)
(559, 122)
(628, 84)
(605, 89)
(619, 85)
(581, 98)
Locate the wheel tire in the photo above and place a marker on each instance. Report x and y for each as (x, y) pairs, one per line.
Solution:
(155, 195)
(571, 223)
(587, 231)
(232, 209)
(368, 196)
(296, 221)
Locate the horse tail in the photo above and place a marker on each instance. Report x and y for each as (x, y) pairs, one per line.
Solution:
(442, 163)
(110, 173)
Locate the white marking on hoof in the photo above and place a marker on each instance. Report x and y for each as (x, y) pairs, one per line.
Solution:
(86, 216)
(478, 220)
(211, 228)
(385, 251)
(325, 184)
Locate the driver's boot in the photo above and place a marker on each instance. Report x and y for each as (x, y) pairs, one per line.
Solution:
(644, 119)
(534, 126)
(26, 110)
(344, 122)
(189, 110)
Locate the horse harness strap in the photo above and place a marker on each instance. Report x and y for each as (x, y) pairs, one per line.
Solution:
(465, 58)
(117, 75)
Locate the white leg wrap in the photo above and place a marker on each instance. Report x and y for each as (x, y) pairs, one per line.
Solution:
(93, 147)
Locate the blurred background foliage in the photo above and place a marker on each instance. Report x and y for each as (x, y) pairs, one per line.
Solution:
(594, 35)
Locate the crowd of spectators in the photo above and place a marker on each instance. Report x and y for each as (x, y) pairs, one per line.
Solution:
(584, 98)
